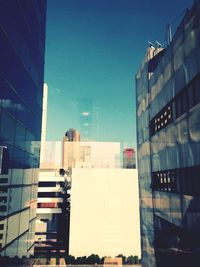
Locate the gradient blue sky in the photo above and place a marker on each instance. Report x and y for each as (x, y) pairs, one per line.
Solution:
(93, 51)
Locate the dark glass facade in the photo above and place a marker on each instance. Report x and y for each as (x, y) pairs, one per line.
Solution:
(168, 132)
(22, 45)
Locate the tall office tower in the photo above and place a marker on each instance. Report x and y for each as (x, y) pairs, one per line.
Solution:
(71, 149)
(129, 158)
(168, 132)
(72, 135)
(22, 35)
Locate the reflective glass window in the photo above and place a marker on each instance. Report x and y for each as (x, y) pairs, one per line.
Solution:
(20, 136)
(7, 127)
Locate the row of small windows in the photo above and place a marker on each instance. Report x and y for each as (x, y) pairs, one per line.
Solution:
(164, 181)
(3, 200)
(50, 194)
(3, 189)
(49, 205)
(3, 180)
(184, 181)
(3, 208)
(162, 119)
(46, 242)
(185, 100)
(49, 234)
(50, 184)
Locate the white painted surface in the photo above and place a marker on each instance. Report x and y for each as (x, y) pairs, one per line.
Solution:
(104, 212)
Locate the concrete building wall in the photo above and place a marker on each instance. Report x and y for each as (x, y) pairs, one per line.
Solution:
(104, 212)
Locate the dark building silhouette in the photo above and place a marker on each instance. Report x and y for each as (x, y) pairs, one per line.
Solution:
(22, 45)
(168, 133)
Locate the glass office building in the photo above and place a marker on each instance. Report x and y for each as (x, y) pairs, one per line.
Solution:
(22, 44)
(168, 132)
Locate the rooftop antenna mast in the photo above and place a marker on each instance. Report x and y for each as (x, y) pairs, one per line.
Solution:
(169, 26)
(169, 33)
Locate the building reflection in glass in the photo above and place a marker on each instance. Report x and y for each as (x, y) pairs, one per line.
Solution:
(22, 35)
(168, 111)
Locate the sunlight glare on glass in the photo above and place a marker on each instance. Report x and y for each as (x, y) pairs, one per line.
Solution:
(85, 113)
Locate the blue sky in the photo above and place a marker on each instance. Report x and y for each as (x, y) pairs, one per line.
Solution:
(93, 51)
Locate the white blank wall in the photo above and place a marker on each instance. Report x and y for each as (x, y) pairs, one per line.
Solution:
(104, 212)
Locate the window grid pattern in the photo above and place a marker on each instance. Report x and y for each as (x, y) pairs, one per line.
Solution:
(183, 102)
(183, 181)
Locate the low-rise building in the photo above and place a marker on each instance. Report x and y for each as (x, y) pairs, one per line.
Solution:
(52, 214)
